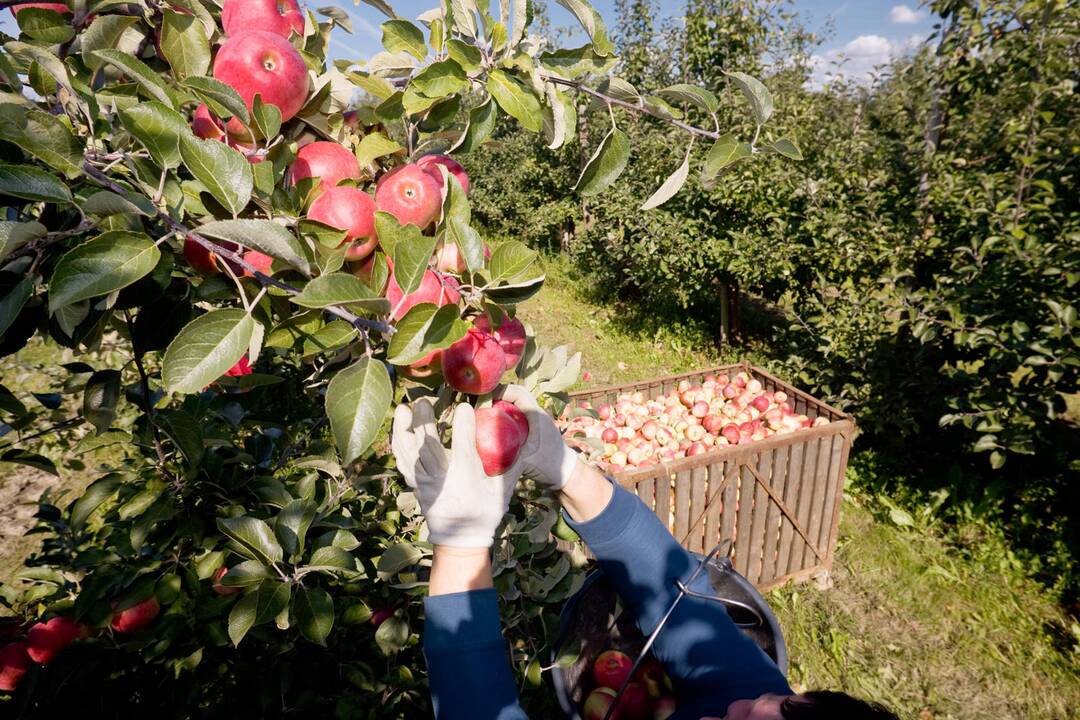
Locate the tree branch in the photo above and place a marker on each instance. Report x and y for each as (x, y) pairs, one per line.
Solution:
(639, 107)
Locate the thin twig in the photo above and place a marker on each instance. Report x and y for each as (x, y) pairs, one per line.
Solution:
(640, 107)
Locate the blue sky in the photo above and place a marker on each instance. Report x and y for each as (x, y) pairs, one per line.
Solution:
(866, 33)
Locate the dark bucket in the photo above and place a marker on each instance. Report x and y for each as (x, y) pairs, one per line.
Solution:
(590, 616)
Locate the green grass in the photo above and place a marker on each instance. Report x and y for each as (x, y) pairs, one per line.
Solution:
(930, 627)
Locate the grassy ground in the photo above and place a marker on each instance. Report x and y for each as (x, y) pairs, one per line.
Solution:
(913, 620)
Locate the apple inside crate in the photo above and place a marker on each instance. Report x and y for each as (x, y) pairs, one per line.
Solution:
(726, 453)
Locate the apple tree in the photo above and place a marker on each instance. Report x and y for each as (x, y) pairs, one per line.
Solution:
(256, 253)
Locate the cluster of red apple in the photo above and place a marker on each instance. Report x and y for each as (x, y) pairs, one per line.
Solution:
(646, 697)
(689, 420)
(46, 639)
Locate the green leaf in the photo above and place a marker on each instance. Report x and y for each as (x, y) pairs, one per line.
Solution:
(411, 257)
(426, 327)
(98, 492)
(106, 202)
(222, 100)
(45, 60)
(109, 262)
(440, 79)
(185, 433)
(515, 99)
(184, 44)
(266, 117)
(606, 164)
(575, 62)
(13, 302)
(159, 129)
(13, 235)
(511, 261)
(340, 288)
(140, 72)
(693, 95)
(396, 558)
(31, 183)
(356, 403)
(103, 34)
(759, 97)
(787, 148)
(253, 537)
(464, 54)
(43, 135)
(314, 610)
(24, 457)
(373, 85)
(100, 396)
(393, 635)
(479, 127)
(373, 146)
(225, 172)
(207, 347)
(592, 23)
(403, 36)
(44, 25)
(670, 187)
(262, 235)
(333, 557)
(245, 574)
(292, 524)
(726, 151)
(463, 14)
(257, 607)
(384, 7)
(333, 336)
(458, 231)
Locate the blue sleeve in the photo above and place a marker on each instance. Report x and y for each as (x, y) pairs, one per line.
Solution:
(468, 666)
(710, 661)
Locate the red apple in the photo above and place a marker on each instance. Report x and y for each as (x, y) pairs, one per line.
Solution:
(440, 290)
(218, 587)
(381, 615)
(663, 708)
(713, 424)
(410, 194)
(431, 163)
(700, 409)
(612, 668)
(14, 663)
(511, 337)
(327, 162)
(501, 430)
(260, 261)
(265, 64)
(46, 639)
(474, 364)
(449, 258)
(610, 435)
(597, 704)
(137, 616)
(731, 433)
(206, 125)
(352, 210)
(280, 17)
(365, 271)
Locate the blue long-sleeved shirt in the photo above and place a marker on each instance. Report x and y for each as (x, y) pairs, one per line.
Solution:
(711, 663)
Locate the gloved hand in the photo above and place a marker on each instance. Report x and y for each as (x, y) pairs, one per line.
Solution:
(462, 505)
(545, 458)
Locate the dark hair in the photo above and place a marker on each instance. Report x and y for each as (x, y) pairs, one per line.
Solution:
(831, 705)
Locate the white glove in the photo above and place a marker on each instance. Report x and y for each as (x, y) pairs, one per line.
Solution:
(545, 457)
(462, 505)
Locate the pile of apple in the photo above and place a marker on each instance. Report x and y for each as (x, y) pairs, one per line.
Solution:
(646, 697)
(691, 419)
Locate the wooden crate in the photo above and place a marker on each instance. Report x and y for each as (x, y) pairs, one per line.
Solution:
(778, 499)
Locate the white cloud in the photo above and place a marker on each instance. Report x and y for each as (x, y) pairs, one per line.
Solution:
(859, 60)
(903, 15)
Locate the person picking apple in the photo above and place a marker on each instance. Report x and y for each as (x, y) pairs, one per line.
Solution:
(717, 672)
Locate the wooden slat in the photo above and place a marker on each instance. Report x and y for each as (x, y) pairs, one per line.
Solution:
(788, 537)
(772, 522)
(712, 515)
(800, 551)
(759, 515)
(819, 510)
(696, 541)
(744, 519)
(834, 526)
(646, 490)
(834, 446)
(663, 500)
(682, 503)
(731, 489)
